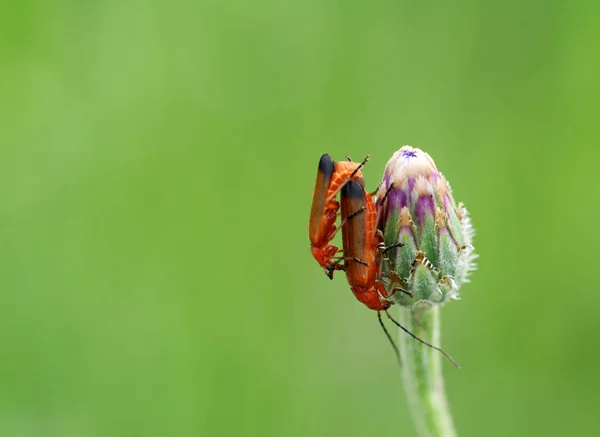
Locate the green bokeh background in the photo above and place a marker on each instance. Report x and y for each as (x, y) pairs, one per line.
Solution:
(157, 161)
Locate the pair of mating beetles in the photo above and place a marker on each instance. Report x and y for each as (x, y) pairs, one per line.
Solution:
(361, 241)
(363, 247)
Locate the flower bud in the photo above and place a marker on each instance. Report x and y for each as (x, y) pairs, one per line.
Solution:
(435, 255)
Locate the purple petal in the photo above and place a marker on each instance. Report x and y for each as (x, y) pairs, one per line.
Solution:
(425, 205)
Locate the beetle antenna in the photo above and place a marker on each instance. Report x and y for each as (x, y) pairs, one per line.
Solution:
(423, 341)
(387, 334)
(387, 192)
(383, 199)
(364, 161)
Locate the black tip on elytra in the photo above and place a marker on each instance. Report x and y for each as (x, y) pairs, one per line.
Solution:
(353, 190)
(326, 164)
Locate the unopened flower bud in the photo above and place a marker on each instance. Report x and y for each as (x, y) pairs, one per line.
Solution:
(435, 255)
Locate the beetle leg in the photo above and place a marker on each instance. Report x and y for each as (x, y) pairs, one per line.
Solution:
(391, 246)
(358, 260)
(387, 192)
(355, 213)
(383, 198)
(373, 193)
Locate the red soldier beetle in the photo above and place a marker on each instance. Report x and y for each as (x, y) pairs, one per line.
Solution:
(363, 250)
(331, 177)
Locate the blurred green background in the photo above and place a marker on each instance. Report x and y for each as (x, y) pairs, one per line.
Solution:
(156, 168)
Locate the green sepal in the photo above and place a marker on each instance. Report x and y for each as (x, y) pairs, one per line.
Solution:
(390, 234)
(455, 227)
(423, 283)
(448, 254)
(405, 254)
(428, 240)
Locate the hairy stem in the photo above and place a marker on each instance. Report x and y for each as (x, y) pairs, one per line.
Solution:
(422, 373)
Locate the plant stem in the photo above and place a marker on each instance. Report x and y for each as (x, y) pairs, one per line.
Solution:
(422, 372)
